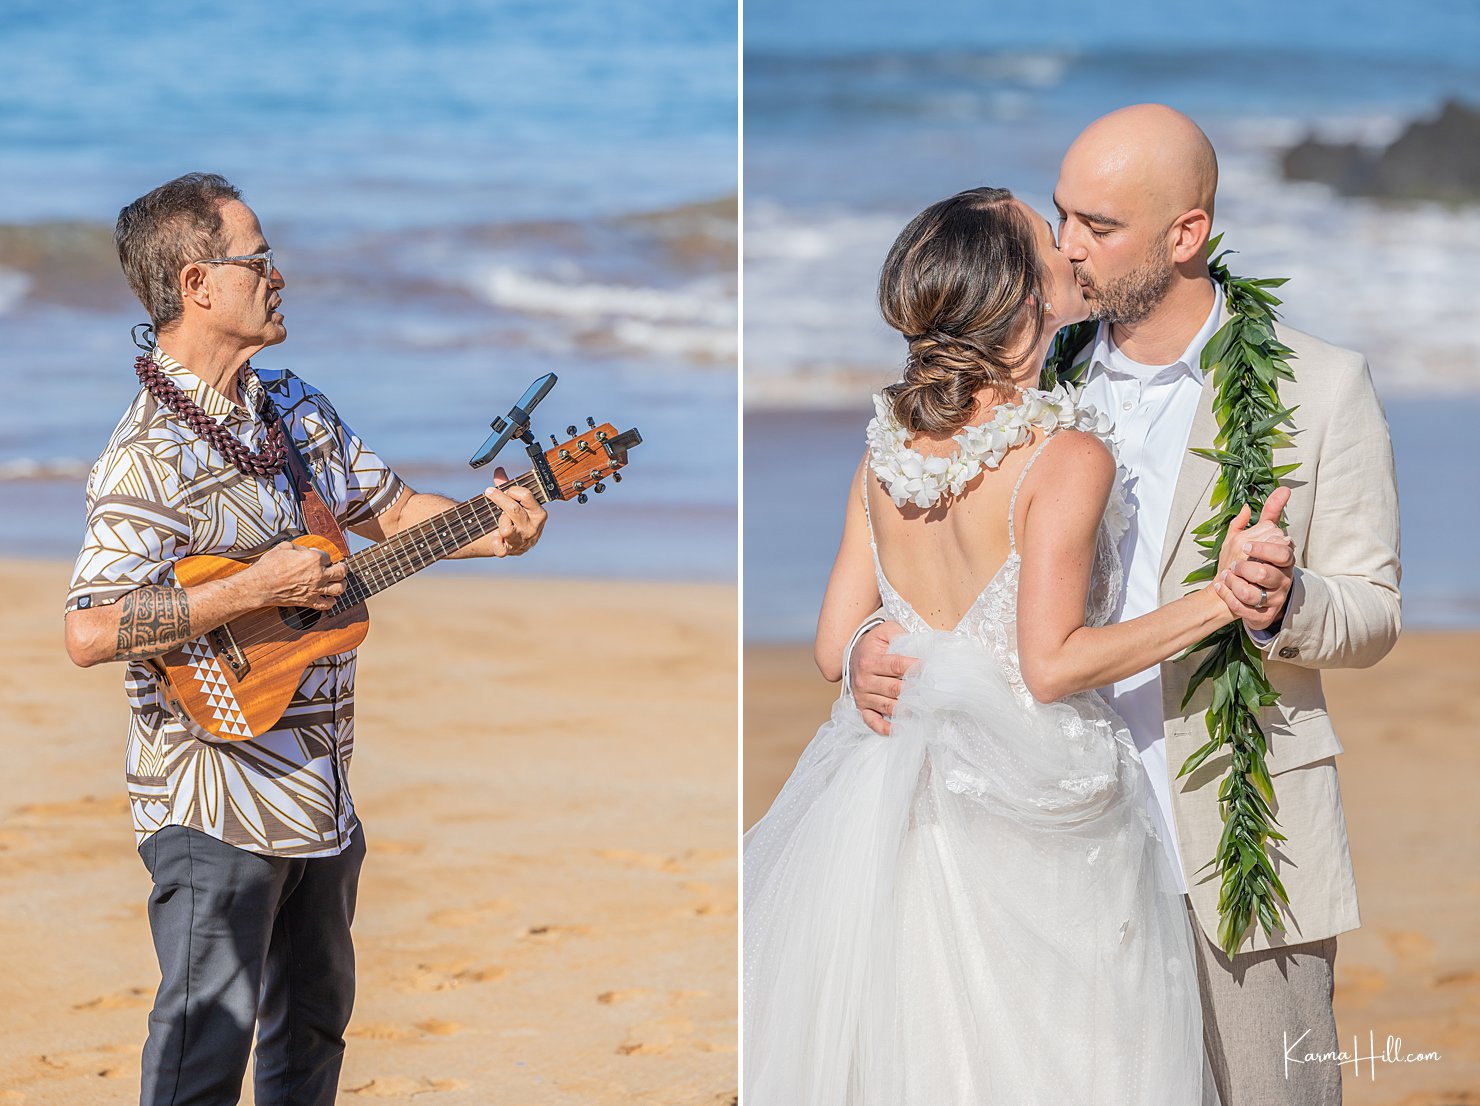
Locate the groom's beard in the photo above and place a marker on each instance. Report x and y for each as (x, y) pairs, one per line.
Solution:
(1131, 298)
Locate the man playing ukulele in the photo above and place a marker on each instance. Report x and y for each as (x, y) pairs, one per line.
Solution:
(254, 846)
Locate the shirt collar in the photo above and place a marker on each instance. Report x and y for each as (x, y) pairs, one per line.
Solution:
(1190, 363)
(207, 398)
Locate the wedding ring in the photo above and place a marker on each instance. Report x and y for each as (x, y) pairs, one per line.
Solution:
(1263, 598)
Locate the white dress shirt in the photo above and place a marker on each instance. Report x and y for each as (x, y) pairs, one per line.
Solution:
(1151, 408)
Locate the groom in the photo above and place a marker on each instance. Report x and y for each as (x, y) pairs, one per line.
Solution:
(1135, 198)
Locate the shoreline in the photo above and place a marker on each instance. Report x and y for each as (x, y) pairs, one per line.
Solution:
(691, 542)
(43, 564)
(798, 464)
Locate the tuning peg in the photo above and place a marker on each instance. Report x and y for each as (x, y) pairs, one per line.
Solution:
(554, 440)
(582, 498)
(590, 422)
(565, 455)
(571, 430)
(599, 488)
(617, 476)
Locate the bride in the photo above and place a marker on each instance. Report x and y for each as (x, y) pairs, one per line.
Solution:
(975, 909)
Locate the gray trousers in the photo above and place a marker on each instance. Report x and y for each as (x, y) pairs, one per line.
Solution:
(1256, 1007)
(243, 940)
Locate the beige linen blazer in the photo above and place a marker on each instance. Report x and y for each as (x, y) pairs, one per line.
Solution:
(1343, 612)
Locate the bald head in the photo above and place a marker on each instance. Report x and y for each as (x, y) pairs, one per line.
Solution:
(1148, 152)
(1135, 199)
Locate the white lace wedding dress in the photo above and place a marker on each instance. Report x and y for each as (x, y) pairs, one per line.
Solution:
(976, 909)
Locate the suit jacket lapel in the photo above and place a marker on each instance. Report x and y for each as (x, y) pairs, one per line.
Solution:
(1196, 476)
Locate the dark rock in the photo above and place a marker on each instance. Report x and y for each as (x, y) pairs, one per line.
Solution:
(1432, 160)
(1346, 167)
(1438, 160)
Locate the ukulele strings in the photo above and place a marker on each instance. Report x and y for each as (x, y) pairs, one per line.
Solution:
(362, 584)
(379, 566)
(356, 590)
(377, 559)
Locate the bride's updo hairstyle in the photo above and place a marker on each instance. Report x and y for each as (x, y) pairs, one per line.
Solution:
(957, 285)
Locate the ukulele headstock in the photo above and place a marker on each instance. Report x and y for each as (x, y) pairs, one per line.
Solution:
(583, 462)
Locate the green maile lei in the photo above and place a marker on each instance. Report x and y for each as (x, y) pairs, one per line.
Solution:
(1246, 362)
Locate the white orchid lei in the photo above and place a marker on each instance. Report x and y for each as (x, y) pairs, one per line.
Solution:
(910, 476)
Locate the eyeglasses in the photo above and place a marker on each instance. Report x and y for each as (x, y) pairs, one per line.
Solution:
(260, 263)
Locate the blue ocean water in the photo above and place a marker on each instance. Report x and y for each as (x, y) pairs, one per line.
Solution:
(462, 196)
(446, 108)
(1423, 29)
(859, 114)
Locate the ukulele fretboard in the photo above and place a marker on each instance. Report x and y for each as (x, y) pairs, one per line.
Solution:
(389, 562)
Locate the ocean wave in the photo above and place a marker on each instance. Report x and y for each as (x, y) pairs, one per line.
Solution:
(812, 327)
(61, 262)
(1374, 128)
(695, 321)
(525, 291)
(704, 233)
(74, 262)
(718, 344)
(660, 281)
(1040, 69)
(18, 469)
(13, 288)
(699, 235)
(936, 86)
(1390, 280)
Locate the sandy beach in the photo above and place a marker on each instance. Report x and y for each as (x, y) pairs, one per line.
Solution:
(1409, 726)
(545, 772)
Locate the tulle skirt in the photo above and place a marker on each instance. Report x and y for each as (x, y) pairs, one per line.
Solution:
(973, 910)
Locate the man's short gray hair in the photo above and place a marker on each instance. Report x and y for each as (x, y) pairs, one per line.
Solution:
(163, 231)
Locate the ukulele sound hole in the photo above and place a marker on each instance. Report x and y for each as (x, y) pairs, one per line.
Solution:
(300, 618)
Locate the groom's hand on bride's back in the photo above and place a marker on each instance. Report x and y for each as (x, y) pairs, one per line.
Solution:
(874, 674)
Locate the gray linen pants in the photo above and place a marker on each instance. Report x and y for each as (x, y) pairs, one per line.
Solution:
(245, 939)
(1258, 1004)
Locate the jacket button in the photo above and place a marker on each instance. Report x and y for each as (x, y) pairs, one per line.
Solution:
(1289, 651)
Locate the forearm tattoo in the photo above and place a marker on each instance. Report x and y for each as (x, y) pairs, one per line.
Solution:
(153, 620)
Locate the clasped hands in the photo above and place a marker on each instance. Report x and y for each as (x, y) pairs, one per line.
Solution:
(1256, 567)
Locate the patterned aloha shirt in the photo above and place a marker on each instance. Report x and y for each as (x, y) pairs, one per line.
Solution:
(159, 493)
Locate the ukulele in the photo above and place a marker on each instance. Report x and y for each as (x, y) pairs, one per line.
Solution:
(235, 681)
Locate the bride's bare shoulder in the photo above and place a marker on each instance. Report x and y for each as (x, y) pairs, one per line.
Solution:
(1076, 455)
(1068, 488)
